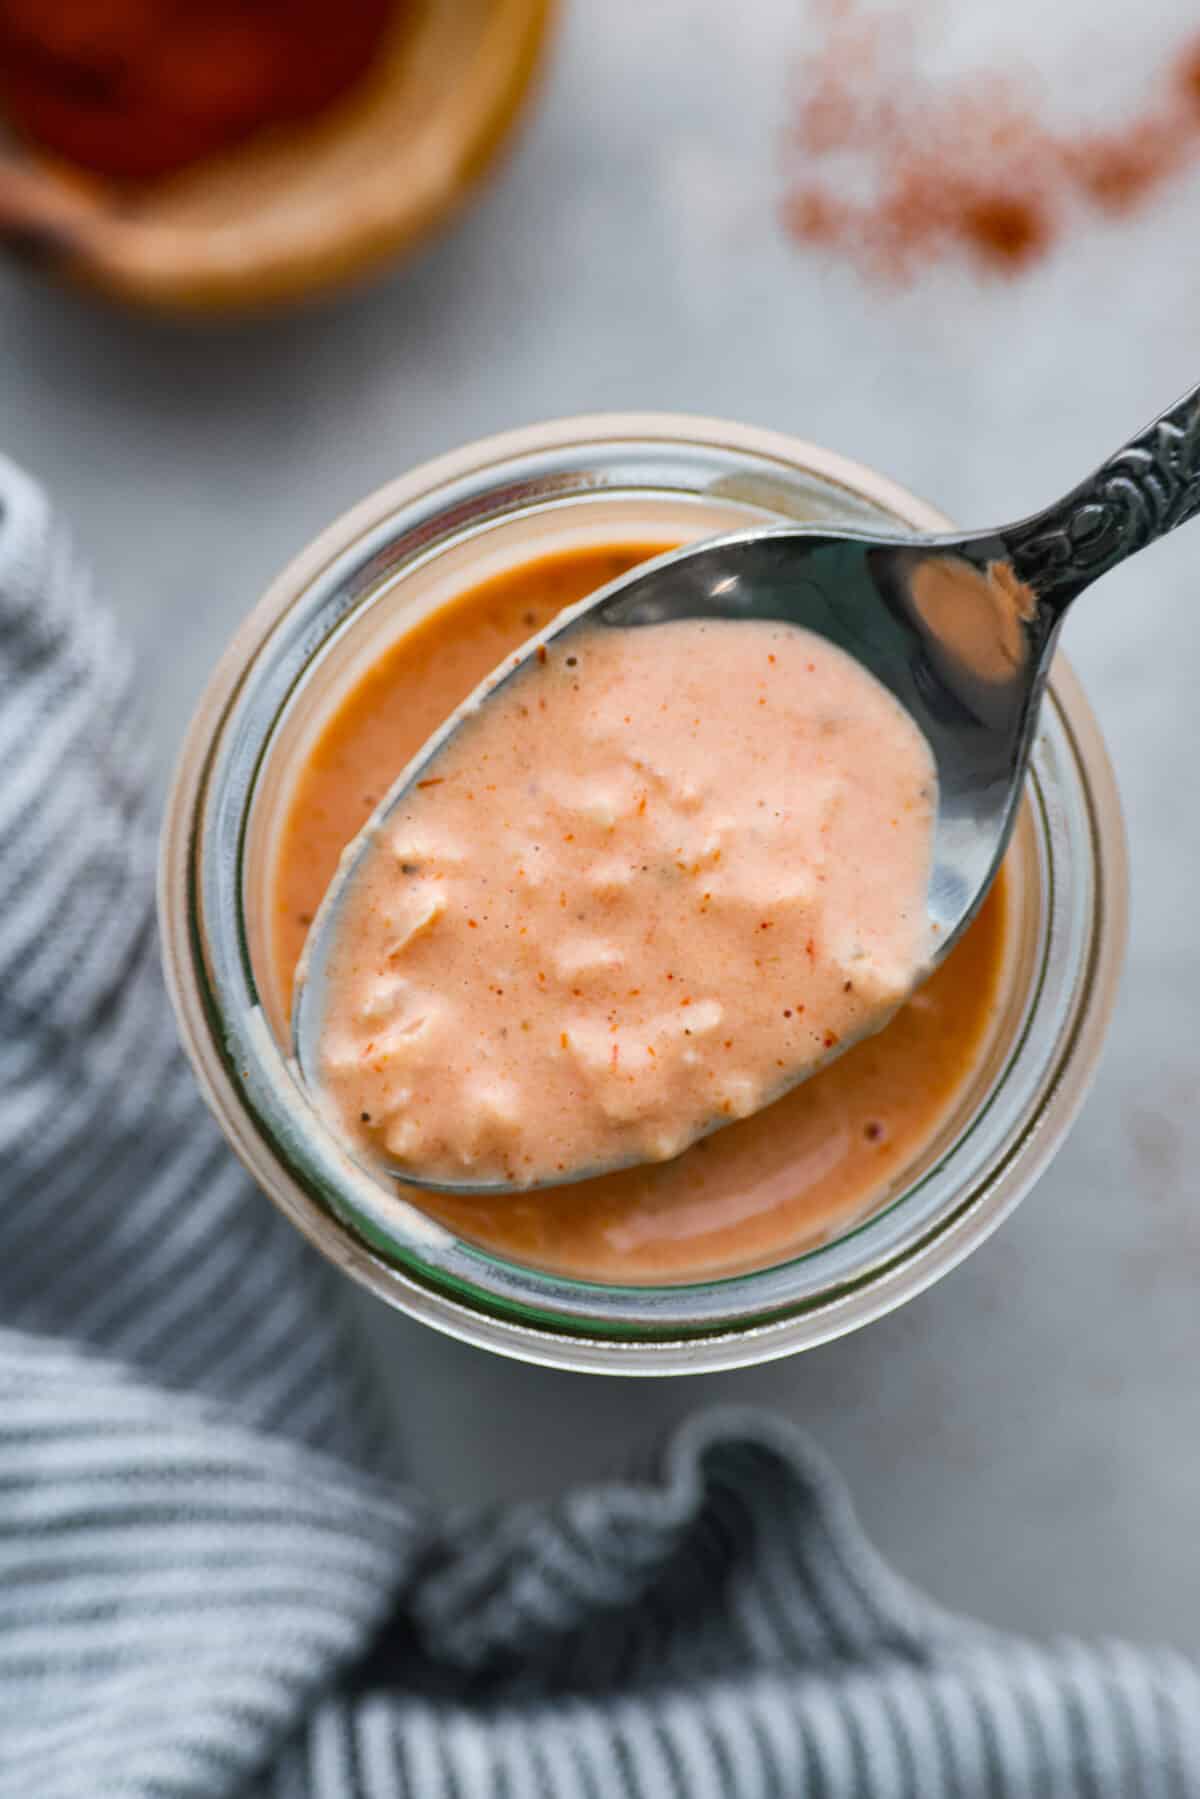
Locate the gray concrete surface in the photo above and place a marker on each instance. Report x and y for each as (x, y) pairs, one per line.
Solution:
(1023, 1440)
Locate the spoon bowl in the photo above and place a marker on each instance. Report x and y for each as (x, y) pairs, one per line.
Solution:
(959, 628)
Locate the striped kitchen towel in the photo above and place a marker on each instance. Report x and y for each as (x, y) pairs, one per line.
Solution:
(211, 1583)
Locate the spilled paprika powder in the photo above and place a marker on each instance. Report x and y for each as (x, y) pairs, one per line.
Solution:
(895, 171)
(135, 89)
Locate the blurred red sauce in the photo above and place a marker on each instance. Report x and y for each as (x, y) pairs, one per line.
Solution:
(135, 89)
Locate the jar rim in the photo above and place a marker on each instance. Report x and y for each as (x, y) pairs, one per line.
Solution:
(655, 1332)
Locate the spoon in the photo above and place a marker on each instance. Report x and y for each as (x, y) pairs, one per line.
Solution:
(960, 628)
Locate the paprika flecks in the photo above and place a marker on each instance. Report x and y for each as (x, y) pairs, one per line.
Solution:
(895, 171)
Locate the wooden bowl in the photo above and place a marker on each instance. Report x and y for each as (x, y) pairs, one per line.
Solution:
(296, 211)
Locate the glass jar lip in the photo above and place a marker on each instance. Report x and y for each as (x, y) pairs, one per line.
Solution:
(735, 1334)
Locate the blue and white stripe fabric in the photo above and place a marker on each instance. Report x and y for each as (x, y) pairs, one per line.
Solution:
(211, 1583)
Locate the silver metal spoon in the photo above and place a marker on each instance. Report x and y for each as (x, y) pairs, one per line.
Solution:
(960, 628)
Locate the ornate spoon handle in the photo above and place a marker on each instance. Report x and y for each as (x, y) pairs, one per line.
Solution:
(1151, 485)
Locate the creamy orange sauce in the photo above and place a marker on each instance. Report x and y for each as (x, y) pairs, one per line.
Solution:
(659, 876)
(768, 1186)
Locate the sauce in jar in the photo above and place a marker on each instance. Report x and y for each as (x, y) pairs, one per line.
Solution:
(802, 1170)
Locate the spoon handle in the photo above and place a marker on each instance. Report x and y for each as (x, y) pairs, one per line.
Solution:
(1147, 488)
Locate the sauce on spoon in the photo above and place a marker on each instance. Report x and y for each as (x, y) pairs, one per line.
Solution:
(662, 875)
(805, 1170)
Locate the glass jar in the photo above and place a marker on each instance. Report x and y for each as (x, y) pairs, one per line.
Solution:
(399, 555)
